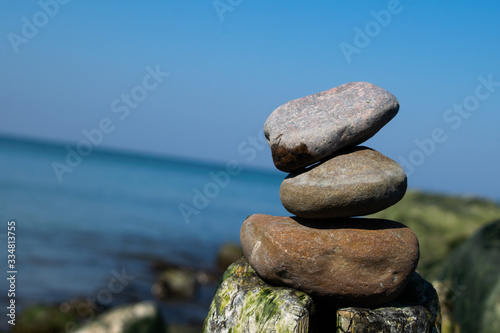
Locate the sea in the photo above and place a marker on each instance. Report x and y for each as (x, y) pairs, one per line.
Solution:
(112, 216)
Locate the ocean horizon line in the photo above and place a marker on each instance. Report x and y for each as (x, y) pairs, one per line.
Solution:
(136, 154)
(183, 160)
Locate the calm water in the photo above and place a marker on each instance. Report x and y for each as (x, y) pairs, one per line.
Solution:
(117, 213)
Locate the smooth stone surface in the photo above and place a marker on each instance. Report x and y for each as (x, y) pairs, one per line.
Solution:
(245, 303)
(306, 130)
(359, 181)
(357, 262)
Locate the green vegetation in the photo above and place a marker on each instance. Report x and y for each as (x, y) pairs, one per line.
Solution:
(471, 275)
(441, 222)
(44, 318)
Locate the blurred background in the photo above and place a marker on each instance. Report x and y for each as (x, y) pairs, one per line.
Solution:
(131, 133)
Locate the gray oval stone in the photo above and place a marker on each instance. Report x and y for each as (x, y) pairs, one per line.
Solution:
(358, 181)
(306, 130)
(353, 261)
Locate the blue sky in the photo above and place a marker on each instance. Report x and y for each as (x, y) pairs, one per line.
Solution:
(67, 65)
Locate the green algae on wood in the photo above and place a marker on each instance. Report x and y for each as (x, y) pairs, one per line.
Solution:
(245, 303)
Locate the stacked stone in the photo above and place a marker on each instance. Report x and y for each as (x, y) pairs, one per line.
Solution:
(326, 250)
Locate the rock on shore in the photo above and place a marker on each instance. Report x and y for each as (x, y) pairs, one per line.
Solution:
(306, 130)
(141, 317)
(358, 181)
(362, 262)
(245, 303)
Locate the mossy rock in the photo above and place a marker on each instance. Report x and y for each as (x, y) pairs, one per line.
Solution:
(44, 319)
(471, 277)
(245, 303)
(416, 310)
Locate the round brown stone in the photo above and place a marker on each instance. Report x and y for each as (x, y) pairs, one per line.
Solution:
(306, 130)
(352, 261)
(359, 181)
